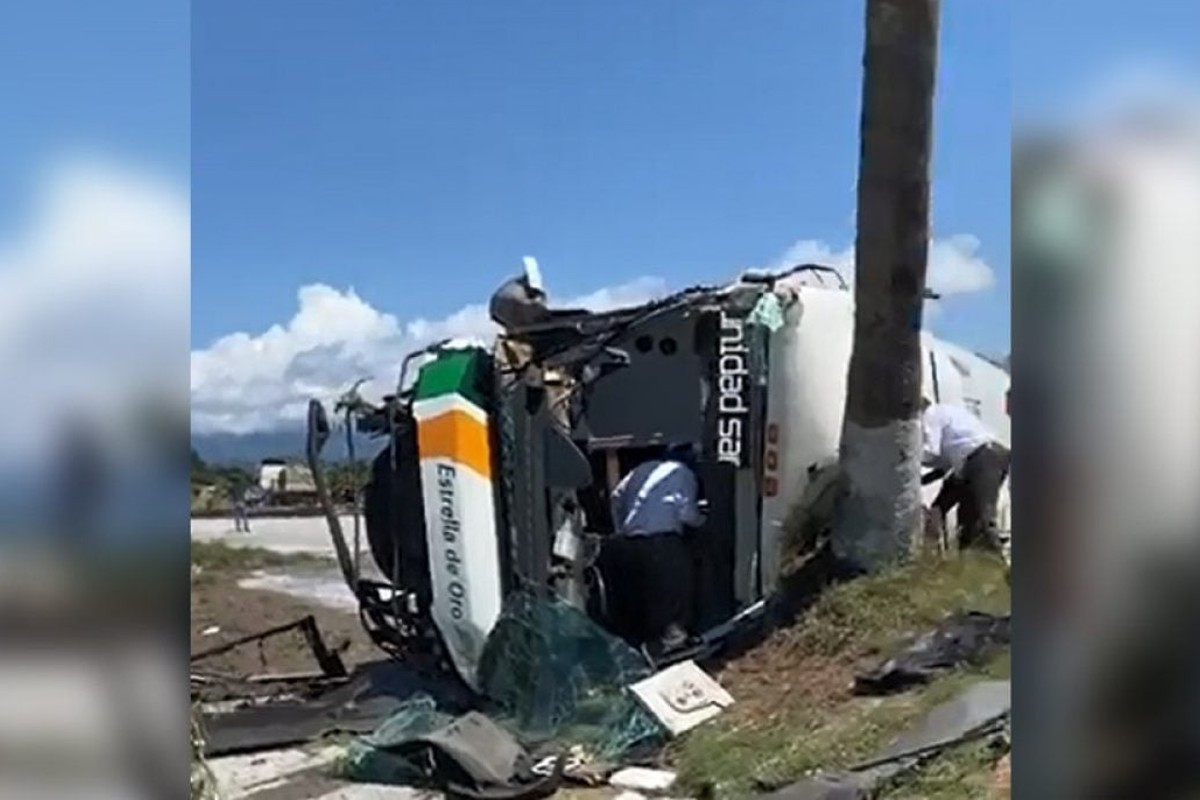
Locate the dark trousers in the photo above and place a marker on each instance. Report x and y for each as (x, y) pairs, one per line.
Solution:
(241, 521)
(976, 492)
(648, 584)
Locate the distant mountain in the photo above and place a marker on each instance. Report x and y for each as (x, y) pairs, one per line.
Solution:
(248, 449)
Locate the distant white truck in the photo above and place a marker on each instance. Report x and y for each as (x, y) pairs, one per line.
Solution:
(286, 482)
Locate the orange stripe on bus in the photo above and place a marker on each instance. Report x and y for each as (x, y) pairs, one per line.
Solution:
(458, 436)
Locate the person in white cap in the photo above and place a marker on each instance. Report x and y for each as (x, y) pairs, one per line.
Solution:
(975, 466)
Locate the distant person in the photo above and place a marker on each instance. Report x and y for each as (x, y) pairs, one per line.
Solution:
(975, 466)
(649, 555)
(241, 519)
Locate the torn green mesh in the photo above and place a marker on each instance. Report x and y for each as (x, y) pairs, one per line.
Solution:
(553, 675)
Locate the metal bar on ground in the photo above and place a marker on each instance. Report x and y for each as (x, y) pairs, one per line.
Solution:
(329, 661)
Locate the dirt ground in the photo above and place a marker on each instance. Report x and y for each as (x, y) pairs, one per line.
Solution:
(217, 601)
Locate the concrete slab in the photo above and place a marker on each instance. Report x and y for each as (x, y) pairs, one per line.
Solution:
(374, 792)
(299, 774)
(248, 775)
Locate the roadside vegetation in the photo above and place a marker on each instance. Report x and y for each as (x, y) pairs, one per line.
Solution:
(218, 557)
(796, 712)
(212, 484)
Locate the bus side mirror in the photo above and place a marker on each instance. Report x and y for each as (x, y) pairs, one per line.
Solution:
(318, 428)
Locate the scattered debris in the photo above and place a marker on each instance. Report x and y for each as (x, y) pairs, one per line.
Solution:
(641, 779)
(356, 705)
(968, 638)
(682, 697)
(576, 718)
(470, 756)
(211, 630)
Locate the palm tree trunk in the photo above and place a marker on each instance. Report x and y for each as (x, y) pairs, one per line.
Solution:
(881, 435)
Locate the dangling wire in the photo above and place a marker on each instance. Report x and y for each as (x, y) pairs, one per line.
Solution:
(394, 578)
(354, 484)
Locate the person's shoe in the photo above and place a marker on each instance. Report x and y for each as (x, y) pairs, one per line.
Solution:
(675, 637)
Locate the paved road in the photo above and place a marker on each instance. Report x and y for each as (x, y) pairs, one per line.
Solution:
(282, 534)
(293, 535)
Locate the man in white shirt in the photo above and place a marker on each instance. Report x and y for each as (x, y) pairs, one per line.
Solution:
(649, 555)
(975, 465)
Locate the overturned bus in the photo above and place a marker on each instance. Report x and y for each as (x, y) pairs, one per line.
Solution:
(498, 461)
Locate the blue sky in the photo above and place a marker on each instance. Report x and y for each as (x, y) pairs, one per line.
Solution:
(417, 150)
(1061, 48)
(109, 77)
(94, 162)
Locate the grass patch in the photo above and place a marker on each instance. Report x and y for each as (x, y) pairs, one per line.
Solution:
(876, 613)
(963, 773)
(795, 709)
(220, 557)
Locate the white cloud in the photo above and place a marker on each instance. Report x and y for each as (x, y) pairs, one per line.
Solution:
(249, 382)
(246, 382)
(94, 310)
(955, 266)
(94, 291)
(1144, 93)
(1147, 85)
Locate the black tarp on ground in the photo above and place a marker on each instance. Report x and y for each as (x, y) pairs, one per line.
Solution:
(963, 639)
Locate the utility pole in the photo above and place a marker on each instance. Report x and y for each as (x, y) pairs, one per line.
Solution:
(881, 433)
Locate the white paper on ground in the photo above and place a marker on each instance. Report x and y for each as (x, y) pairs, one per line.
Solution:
(682, 696)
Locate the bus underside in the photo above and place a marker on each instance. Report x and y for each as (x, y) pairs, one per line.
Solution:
(497, 466)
